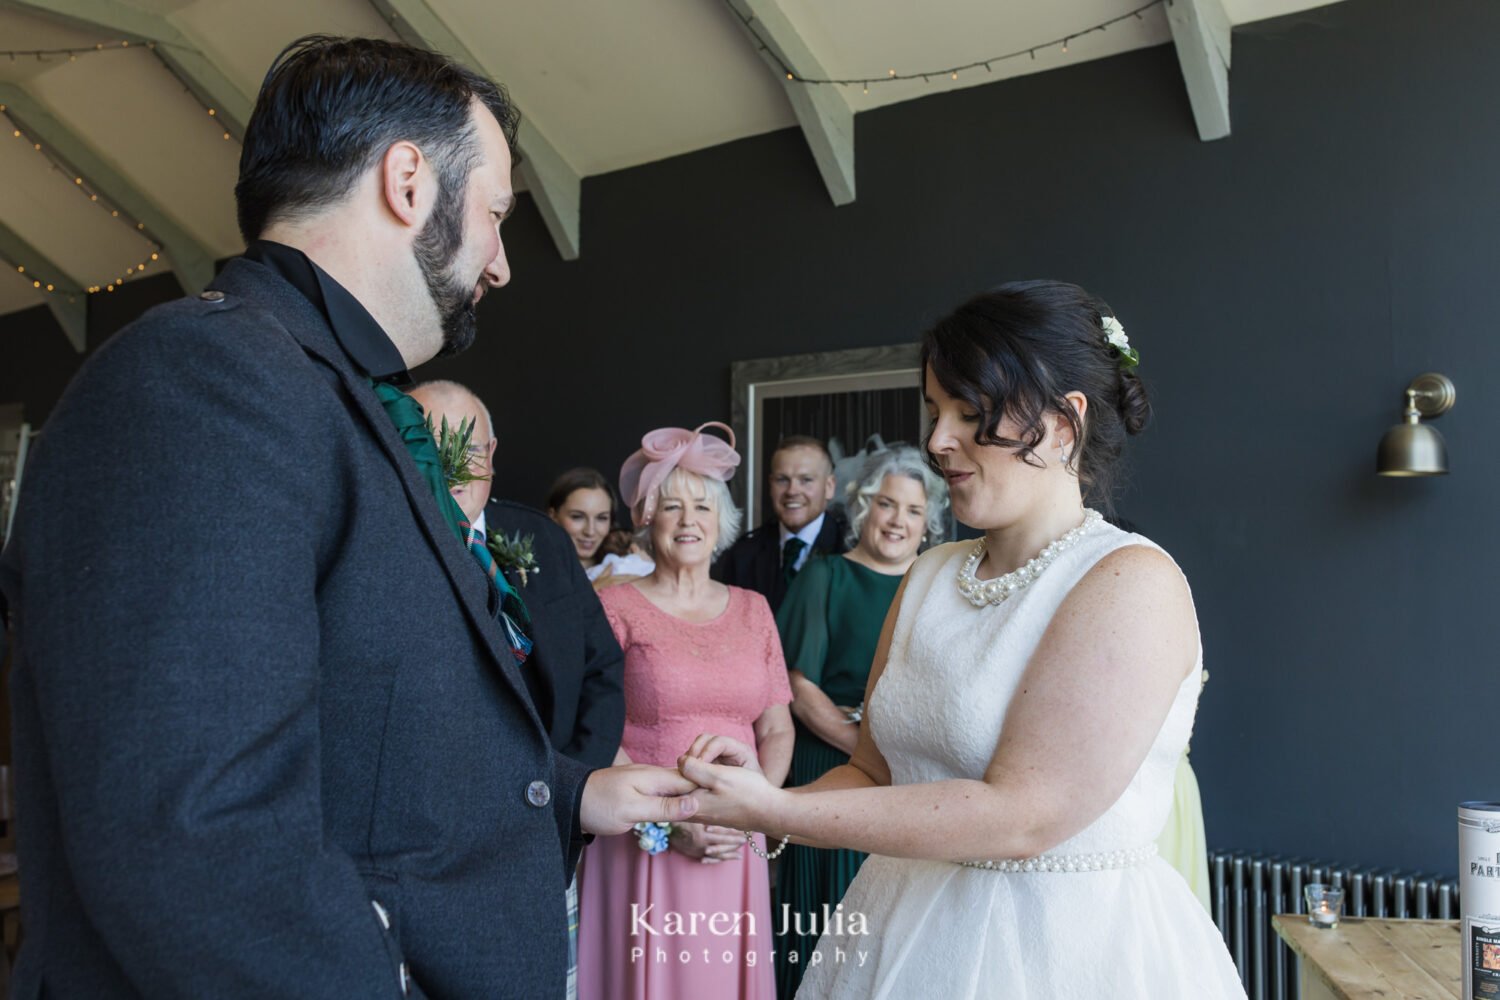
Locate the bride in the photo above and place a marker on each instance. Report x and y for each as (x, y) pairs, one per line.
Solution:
(1029, 700)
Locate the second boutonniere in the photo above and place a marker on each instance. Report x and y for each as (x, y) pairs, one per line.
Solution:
(513, 552)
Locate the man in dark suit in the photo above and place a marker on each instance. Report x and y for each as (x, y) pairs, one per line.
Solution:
(800, 485)
(271, 738)
(576, 686)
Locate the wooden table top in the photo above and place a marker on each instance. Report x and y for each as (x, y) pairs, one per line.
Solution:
(1365, 957)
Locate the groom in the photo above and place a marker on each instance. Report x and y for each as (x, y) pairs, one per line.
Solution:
(272, 731)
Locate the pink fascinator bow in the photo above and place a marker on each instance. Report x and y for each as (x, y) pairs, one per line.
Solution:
(668, 448)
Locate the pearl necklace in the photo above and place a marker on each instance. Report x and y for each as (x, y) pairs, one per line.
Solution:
(997, 591)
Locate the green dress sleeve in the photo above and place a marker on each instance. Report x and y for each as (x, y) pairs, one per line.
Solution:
(803, 619)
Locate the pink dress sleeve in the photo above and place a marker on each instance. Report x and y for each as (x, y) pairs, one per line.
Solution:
(779, 683)
(617, 622)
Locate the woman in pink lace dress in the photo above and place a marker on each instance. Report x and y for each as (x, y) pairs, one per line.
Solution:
(695, 919)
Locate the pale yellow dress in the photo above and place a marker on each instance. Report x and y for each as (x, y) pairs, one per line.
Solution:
(1181, 843)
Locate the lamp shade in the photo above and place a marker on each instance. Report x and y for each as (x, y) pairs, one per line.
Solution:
(1412, 449)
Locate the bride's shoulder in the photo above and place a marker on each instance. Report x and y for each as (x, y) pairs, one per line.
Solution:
(939, 554)
(1134, 564)
(930, 564)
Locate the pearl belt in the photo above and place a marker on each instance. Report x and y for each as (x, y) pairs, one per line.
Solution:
(1098, 862)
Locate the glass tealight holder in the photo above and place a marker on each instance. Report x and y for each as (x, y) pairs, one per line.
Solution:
(1325, 904)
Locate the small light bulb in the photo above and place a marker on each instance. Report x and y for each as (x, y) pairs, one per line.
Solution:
(49, 288)
(36, 284)
(893, 72)
(20, 269)
(955, 76)
(790, 77)
(153, 257)
(78, 180)
(212, 112)
(226, 135)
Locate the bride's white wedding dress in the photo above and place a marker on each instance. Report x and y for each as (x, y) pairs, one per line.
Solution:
(1099, 915)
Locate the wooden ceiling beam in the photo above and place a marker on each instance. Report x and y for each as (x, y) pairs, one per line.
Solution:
(1201, 33)
(826, 118)
(191, 260)
(181, 54)
(554, 184)
(67, 300)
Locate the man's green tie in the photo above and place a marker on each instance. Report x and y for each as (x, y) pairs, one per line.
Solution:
(789, 553)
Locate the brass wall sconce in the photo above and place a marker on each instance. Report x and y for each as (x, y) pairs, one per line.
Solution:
(1413, 448)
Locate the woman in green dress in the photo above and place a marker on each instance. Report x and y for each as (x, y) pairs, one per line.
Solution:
(830, 623)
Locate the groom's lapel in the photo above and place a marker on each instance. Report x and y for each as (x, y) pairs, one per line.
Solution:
(307, 326)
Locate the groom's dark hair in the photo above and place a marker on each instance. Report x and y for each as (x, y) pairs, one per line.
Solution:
(330, 107)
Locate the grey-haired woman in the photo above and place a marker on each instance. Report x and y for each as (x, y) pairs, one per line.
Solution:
(830, 624)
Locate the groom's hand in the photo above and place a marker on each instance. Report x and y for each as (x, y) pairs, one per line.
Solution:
(617, 798)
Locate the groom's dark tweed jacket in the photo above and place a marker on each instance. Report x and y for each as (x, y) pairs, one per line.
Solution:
(258, 685)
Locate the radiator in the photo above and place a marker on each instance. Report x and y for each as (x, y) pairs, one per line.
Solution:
(1245, 890)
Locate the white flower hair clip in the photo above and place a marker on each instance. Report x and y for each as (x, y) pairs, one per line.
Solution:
(1114, 336)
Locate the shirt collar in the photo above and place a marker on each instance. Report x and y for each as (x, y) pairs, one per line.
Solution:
(355, 329)
(477, 531)
(809, 532)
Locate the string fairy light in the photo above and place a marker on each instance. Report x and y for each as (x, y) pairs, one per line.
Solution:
(865, 82)
(44, 55)
(82, 185)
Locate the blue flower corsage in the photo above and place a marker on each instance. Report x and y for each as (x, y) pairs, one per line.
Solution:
(652, 837)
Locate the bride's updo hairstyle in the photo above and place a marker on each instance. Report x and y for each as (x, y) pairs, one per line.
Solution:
(1017, 350)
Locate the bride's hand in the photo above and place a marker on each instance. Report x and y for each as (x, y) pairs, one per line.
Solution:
(707, 844)
(732, 793)
(724, 750)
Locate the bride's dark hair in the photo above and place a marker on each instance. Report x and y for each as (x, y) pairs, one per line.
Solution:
(1018, 350)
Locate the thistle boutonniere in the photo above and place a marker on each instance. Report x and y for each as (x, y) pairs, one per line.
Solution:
(513, 552)
(456, 452)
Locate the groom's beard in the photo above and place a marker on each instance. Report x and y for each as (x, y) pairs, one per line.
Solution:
(435, 249)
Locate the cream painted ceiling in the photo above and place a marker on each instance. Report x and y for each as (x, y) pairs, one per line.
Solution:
(609, 84)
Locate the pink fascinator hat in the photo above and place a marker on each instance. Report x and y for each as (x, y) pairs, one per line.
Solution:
(669, 448)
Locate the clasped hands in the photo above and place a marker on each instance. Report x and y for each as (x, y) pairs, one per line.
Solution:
(716, 792)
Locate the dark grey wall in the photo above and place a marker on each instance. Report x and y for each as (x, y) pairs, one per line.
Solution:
(1282, 286)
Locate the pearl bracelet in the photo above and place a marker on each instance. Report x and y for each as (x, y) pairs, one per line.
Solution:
(750, 839)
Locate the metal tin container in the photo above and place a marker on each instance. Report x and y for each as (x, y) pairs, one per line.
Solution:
(1479, 895)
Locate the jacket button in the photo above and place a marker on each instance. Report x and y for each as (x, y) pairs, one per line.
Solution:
(538, 794)
(212, 295)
